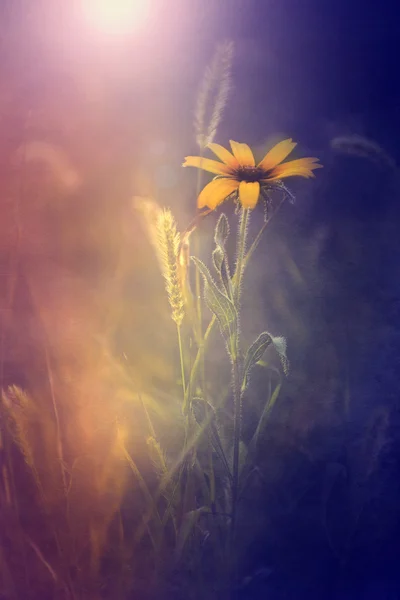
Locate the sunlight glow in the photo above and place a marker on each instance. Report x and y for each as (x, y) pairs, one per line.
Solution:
(116, 16)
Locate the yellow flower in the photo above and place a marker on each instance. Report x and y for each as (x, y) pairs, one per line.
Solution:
(238, 172)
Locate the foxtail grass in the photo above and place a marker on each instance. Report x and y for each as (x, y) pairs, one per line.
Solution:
(168, 244)
(168, 251)
(213, 94)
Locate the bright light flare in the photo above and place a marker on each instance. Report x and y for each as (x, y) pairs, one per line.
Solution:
(116, 16)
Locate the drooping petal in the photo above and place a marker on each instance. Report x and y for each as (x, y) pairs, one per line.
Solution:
(249, 193)
(216, 191)
(302, 167)
(207, 164)
(243, 154)
(224, 155)
(277, 154)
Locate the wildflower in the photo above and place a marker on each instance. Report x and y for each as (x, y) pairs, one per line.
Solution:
(238, 172)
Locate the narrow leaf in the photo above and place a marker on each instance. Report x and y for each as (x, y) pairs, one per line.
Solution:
(200, 408)
(254, 354)
(226, 278)
(219, 304)
(265, 414)
(189, 522)
(279, 343)
(220, 258)
(221, 231)
(221, 266)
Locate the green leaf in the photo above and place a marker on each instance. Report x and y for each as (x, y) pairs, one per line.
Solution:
(220, 305)
(254, 354)
(270, 403)
(189, 522)
(221, 266)
(226, 278)
(256, 351)
(220, 258)
(221, 231)
(279, 343)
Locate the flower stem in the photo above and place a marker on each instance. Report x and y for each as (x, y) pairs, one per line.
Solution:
(236, 441)
(244, 219)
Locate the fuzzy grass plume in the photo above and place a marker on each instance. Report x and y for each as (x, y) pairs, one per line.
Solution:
(213, 94)
(168, 242)
(20, 413)
(17, 410)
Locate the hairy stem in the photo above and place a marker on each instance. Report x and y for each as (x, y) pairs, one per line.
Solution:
(237, 284)
(244, 219)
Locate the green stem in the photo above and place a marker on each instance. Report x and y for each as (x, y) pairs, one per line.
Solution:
(236, 437)
(178, 329)
(244, 219)
(237, 286)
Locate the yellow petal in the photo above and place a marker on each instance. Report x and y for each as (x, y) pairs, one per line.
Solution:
(216, 191)
(249, 193)
(207, 164)
(302, 167)
(277, 154)
(224, 155)
(243, 154)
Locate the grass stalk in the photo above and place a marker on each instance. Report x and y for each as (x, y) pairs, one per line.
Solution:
(181, 360)
(60, 452)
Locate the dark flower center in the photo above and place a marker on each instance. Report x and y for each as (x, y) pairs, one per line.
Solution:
(249, 174)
